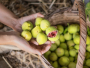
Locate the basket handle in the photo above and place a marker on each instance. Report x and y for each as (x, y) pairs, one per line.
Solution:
(78, 4)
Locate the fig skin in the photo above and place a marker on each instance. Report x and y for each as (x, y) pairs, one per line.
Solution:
(41, 38)
(72, 29)
(50, 29)
(53, 47)
(64, 61)
(59, 52)
(60, 29)
(27, 26)
(38, 21)
(27, 35)
(55, 64)
(44, 24)
(35, 31)
(54, 38)
(53, 56)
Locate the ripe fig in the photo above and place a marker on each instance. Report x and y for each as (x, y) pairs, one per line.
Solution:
(60, 28)
(63, 45)
(72, 52)
(72, 29)
(57, 42)
(76, 39)
(88, 48)
(47, 54)
(88, 40)
(53, 47)
(63, 61)
(67, 36)
(27, 35)
(71, 59)
(88, 62)
(44, 24)
(41, 38)
(27, 26)
(38, 21)
(53, 56)
(60, 52)
(52, 33)
(35, 31)
(55, 64)
(72, 65)
(62, 39)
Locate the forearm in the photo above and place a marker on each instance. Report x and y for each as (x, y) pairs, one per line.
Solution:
(6, 38)
(7, 17)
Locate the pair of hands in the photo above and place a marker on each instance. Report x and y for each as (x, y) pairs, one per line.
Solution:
(32, 46)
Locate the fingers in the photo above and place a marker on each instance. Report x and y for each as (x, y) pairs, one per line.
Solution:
(47, 47)
(31, 17)
(34, 42)
(49, 42)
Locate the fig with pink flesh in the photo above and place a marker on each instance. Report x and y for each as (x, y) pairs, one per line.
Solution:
(52, 33)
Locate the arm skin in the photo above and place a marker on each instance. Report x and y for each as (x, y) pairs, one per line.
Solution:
(7, 17)
(14, 38)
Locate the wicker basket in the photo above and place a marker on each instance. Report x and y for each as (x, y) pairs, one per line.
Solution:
(63, 16)
(71, 15)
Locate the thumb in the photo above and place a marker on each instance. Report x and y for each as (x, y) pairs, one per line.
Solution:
(31, 17)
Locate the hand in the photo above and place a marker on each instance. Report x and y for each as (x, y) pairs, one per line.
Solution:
(30, 18)
(33, 47)
(9, 19)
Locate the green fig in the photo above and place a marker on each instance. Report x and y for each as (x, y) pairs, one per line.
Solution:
(63, 61)
(60, 28)
(88, 40)
(78, 27)
(62, 39)
(87, 55)
(77, 39)
(51, 29)
(57, 42)
(41, 38)
(47, 54)
(53, 56)
(53, 47)
(88, 48)
(44, 24)
(85, 67)
(35, 31)
(66, 53)
(88, 62)
(67, 36)
(72, 29)
(71, 59)
(76, 47)
(72, 52)
(54, 38)
(27, 26)
(59, 52)
(38, 21)
(55, 64)
(72, 65)
(64, 67)
(27, 35)
(76, 57)
(70, 43)
(52, 33)
(76, 34)
(63, 45)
